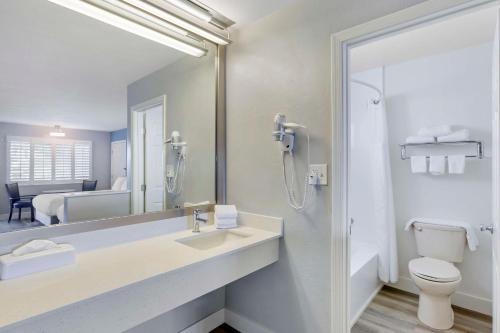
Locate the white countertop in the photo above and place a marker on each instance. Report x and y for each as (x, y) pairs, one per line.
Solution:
(106, 269)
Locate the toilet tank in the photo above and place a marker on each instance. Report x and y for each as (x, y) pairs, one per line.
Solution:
(440, 241)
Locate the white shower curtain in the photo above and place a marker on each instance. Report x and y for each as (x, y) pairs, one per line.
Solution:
(384, 222)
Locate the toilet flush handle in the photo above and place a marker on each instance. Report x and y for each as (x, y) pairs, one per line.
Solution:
(489, 228)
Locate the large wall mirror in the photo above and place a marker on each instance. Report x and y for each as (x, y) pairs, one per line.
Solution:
(107, 109)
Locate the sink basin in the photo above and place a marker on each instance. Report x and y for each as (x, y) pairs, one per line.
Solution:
(212, 239)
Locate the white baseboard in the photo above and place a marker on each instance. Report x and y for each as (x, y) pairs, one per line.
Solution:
(461, 299)
(244, 324)
(365, 305)
(207, 324)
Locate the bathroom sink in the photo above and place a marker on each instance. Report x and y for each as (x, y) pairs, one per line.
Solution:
(212, 239)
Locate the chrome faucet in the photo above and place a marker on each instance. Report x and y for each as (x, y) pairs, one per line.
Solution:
(197, 219)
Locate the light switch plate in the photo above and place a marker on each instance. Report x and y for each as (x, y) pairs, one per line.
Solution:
(318, 174)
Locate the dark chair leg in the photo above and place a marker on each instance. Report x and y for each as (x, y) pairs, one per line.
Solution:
(19, 214)
(32, 214)
(10, 214)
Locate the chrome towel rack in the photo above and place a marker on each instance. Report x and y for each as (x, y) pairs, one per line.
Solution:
(479, 147)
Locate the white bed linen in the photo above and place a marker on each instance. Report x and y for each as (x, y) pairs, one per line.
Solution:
(48, 203)
(60, 214)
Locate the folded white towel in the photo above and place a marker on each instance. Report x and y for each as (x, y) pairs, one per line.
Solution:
(435, 131)
(226, 211)
(461, 135)
(471, 236)
(456, 164)
(437, 165)
(36, 245)
(420, 139)
(191, 204)
(418, 164)
(225, 223)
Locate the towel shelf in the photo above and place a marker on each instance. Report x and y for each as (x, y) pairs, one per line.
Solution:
(478, 155)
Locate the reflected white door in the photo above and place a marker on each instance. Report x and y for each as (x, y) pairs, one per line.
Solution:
(118, 160)
(496, 178)
(153, 163)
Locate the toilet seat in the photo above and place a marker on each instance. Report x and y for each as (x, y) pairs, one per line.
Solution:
(434, 270)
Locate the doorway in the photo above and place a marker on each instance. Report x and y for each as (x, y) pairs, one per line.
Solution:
(378, 84)
(118, 159)
(148, 156)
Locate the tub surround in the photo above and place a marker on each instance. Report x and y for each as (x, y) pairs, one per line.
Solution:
(365, 283)
(159, 271)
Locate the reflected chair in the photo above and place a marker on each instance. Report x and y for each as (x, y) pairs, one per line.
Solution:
(19, 201)
(89, 185)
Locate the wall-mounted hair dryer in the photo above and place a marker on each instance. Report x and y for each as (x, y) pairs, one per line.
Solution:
(285, 133)
(174, 178)
(175, 140)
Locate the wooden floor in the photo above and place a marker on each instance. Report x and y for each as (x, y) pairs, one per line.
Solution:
(396, 311)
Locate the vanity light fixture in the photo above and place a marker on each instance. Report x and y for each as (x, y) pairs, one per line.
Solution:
(92, 9)
(192, 9)
(178, 21)
(57, 132)
(147, 16)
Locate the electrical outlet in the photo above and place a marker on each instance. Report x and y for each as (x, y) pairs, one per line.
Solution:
(170, 171)
(318, 174)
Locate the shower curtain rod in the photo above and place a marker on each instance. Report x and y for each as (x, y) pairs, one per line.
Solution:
(369, 86)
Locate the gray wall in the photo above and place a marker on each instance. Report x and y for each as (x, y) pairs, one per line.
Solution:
(282, 64)
(185, 315)
(189, 85)
(101, 148)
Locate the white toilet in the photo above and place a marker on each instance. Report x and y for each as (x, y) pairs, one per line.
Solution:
(434, 273)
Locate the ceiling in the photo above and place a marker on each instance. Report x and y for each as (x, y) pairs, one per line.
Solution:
(61, 67)
(444, 36)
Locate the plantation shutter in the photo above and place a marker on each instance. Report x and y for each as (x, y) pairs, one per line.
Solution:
(83, 153)
(19, 161)
(63, 161)
(42, 162)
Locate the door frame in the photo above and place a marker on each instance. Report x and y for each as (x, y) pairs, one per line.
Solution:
(133, 176)
(429, 11)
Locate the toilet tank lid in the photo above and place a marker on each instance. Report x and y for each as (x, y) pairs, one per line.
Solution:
(470, 234)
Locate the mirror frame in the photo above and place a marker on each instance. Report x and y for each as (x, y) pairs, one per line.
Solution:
(10, 239)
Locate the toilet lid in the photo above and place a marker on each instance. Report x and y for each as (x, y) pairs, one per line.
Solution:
(434, 270)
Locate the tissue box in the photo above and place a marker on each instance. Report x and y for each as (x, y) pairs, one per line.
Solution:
(12, 266)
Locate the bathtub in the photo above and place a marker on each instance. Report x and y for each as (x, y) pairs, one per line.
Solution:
(365, 283)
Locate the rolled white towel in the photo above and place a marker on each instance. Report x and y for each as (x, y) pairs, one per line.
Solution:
(226, 211)
(435, 131)
(420, 139)
(461, 135)
(456, 164)
(437, 165)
